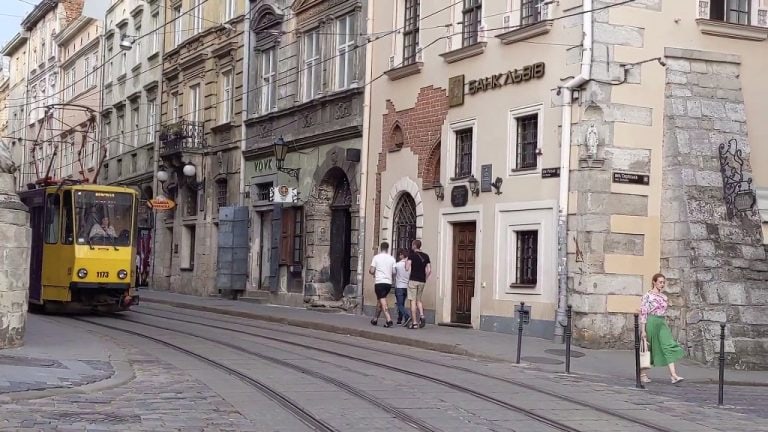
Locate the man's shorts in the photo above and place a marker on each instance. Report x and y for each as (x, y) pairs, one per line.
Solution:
(415, 290)
(382, 290)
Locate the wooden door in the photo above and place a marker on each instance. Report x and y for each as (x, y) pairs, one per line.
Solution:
(463, 272)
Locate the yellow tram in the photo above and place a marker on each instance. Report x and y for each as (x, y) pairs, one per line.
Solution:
(83, 244)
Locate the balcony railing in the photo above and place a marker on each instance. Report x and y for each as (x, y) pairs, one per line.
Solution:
(181, 136)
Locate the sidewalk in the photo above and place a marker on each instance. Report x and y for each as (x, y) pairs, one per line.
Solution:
(536, 353)
(56, 359)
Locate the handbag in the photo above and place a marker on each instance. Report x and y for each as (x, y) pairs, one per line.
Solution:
(645, 355)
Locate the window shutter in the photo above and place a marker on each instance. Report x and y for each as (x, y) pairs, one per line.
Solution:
(286, 236)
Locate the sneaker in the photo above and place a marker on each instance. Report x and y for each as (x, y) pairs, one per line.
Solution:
(677, 380)
(388, 324)
(399, 321)
(374, 322)
(407, 322)
(422, 322)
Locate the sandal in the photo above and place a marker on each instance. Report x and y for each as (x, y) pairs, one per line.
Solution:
(677, 380)
(422, 322)
(414, 326)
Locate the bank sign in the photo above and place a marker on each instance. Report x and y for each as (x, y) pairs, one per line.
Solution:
(456, 84)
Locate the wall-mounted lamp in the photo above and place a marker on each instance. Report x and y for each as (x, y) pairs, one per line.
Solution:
(162, 177)
(439, 190)
(190, 171)
(474, 185)
(281, 150)
(497, 185)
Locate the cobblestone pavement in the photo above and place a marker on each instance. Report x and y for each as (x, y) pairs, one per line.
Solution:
(161, 398)
(173, 392)
(44, 374)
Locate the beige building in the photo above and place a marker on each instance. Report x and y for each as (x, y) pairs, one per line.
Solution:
(79, 53)
(649, 91)
(16, 50)
(200, 136)
(45, 133)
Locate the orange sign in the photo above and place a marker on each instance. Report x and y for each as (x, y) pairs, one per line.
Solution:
(161, 203)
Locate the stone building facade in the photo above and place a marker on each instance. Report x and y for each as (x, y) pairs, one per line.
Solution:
(307, 83)
(656, 138)
(43, 121)
(130, 105)
(79, 45)
(16, 50)
(674, 146)
(199, 139)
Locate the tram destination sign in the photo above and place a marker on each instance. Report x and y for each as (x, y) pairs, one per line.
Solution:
(629, 178)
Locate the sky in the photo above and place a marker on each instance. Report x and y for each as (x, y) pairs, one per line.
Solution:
(12, 12)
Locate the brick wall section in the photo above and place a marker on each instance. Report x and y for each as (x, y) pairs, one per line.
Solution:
(72, 9)
(421, 126)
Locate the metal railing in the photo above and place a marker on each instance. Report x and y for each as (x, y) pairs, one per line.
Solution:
(181, 136)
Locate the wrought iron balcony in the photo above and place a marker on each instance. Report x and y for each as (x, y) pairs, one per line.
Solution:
(181, 136)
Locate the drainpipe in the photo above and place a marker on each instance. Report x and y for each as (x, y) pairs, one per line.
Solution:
(244, 112)
(363, 185)
(565, 165)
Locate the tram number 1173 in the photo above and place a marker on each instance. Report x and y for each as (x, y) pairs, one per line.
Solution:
(102, 274)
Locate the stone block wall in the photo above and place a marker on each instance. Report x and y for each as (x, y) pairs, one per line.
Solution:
(15, 237)
(715, 261)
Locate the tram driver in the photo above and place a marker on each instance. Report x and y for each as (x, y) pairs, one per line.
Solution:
(103, 230)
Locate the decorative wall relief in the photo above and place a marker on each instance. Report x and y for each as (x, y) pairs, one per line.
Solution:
(737, 187)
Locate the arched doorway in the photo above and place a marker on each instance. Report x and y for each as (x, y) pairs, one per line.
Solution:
(341, 233)
(404, 223)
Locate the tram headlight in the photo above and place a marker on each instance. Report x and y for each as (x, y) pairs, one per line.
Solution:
(122, 274)
(82, 273)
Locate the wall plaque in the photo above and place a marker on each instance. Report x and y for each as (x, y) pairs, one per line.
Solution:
(550, 172)
(459, 196)
(486, 172)
(456, 91)
(629, 178)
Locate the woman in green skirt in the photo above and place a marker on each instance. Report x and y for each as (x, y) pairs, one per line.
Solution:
(665, 351)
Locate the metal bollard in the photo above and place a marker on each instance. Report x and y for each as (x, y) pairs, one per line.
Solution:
(722, 365)
(520, 331)
(568, 334)
(638, 383)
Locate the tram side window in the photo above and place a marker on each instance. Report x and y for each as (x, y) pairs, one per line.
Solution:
(67, 224)
(52, 216)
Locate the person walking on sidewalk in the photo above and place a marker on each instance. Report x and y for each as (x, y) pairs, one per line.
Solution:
(401, 287)
(382, 268)
(419, 266)
(665, 351)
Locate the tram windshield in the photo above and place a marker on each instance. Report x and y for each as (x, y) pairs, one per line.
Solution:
(104, 218)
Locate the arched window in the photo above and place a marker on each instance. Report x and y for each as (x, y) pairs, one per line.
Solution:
(404, 231)
(397, 137)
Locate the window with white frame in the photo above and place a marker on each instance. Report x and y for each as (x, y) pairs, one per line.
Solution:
(69, 82)
(110, 61)
(463, 160)
(472, 16)
(312, 64)
(94, 70)
(135, 126)
(345, 47)
(138, 52)
(411, 31)
(87, 71)
(120, 132)
(525, 136)
(123, 61)
(151, 116)
(175, 107)
(194, 102)
(229, 9)
(225, 106)
(531, 11)
(268, 80)
(197, 17)
(156, 33)
(106, 130)
(177, 26)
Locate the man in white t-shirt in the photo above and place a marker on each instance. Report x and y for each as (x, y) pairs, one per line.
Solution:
(382, 268)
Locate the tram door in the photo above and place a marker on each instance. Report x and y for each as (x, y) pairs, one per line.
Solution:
(36, 221)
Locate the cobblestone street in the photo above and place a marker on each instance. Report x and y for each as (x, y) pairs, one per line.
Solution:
(349, 384)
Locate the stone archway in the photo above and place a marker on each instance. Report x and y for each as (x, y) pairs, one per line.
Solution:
(329, 215)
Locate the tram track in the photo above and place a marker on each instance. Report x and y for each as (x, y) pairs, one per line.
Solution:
(504, 404)
(303, 415)
(636, 420)
(406, 418)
